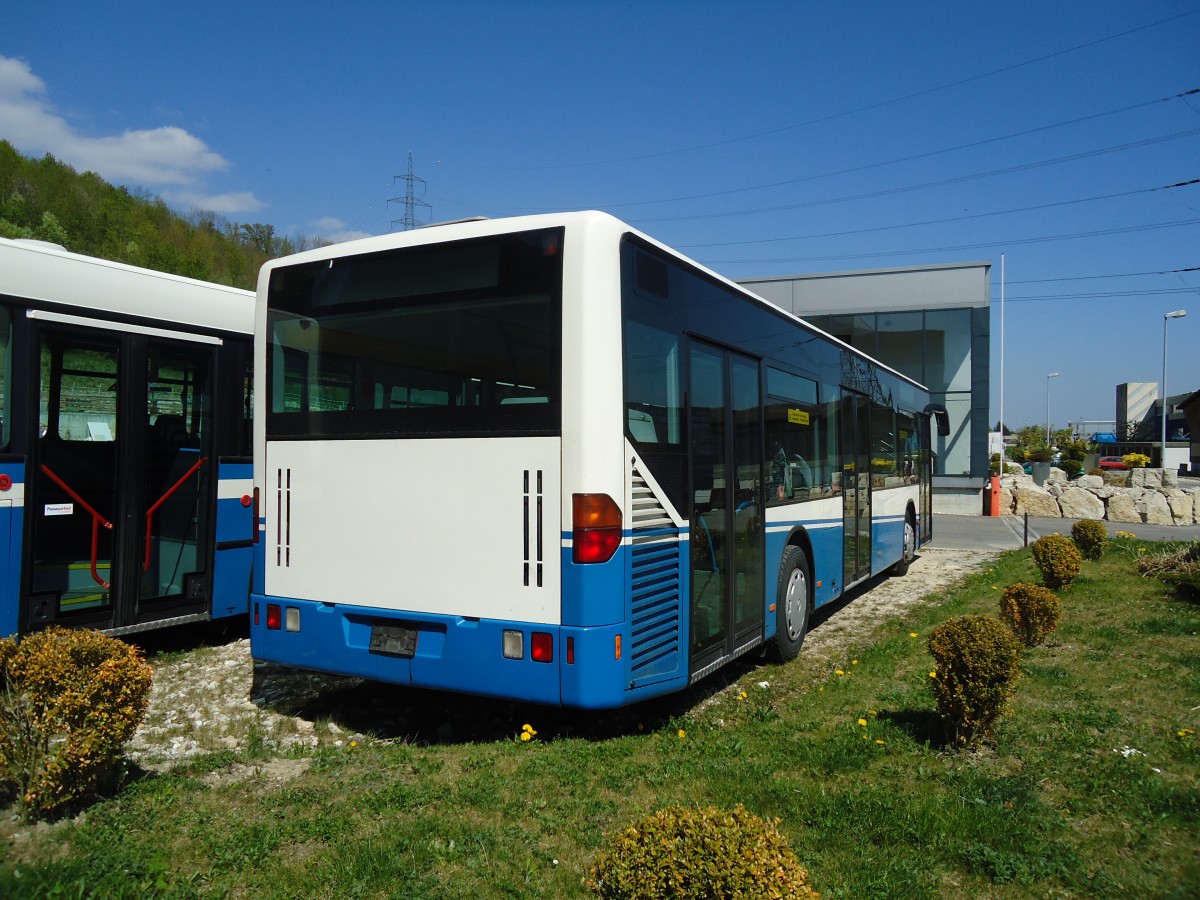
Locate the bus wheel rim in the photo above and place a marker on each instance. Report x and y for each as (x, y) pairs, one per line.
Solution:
(796, 600)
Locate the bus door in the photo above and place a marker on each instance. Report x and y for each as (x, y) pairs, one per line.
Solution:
(122, 479)
(925, 476)
(855, 429)
(727, 521)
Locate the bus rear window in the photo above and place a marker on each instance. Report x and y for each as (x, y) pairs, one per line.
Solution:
(454, 339)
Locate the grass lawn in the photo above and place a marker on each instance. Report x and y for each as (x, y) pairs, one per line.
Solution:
(1091, 787)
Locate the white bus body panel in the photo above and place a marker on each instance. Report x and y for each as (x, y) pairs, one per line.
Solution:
(427, 526)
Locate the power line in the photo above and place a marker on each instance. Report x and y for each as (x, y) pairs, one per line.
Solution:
(860, 109)
(984, 215)
(903, 159)
(986, 244)
(959, 179)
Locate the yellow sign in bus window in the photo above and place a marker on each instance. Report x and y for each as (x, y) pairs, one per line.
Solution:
(797, 417)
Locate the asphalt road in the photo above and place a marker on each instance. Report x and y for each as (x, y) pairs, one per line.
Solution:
(1009, 532)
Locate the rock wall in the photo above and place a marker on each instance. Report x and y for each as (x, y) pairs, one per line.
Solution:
(1150, 496)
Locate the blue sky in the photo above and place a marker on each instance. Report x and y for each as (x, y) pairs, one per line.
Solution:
(761, 138)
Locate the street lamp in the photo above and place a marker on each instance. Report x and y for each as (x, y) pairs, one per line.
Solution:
(1174, 314)
(1049, 375)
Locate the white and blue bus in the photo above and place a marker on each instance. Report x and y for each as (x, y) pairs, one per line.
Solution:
(550, 459)
(125, 471)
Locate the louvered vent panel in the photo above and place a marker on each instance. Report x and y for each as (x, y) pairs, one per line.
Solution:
(654, 583)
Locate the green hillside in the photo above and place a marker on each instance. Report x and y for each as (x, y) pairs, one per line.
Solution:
(49, 200)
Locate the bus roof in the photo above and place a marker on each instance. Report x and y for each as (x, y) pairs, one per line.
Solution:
(47, 273)
(587, 220)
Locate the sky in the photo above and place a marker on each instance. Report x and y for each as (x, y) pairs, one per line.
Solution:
(759, 138)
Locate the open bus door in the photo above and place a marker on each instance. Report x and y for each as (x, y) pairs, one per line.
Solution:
(935, 413)
(122, 479)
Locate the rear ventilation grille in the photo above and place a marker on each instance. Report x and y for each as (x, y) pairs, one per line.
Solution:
(654, 586)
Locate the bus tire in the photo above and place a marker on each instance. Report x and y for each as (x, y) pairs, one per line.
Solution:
(792, 604)
(909, 552)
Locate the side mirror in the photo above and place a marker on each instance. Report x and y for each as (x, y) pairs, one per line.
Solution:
(938, 411)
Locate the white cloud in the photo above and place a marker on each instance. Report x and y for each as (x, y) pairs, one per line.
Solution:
(335, 230)
(142, 157)
(223, 204)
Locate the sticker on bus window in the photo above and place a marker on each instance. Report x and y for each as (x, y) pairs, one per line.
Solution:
(60, 509)
(797, 417)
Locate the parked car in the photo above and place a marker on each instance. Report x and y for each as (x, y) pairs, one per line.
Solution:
(1112, 462)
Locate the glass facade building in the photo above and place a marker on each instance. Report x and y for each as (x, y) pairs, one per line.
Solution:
(931, 323)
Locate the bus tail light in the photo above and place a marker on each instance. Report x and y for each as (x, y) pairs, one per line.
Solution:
(274, 616)
(570, 651)
(541, 647)
(595, 528)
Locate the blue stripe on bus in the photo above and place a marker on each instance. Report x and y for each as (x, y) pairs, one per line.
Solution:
(11, 544)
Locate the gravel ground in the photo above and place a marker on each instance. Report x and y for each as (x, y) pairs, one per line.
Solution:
(215, 698)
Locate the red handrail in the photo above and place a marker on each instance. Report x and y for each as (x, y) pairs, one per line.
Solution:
(163, 499)
(97, 521)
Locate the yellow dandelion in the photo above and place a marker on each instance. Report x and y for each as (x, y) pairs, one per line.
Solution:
(933, 674)
(682, 734)
(854, 662)
(1185, 732)
(528, 729)
(839, 672)
(525, 736)
(878, 741)
(862, 722)
(912, 634)
(353, 744)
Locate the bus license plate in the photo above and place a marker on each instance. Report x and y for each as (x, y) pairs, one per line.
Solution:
(393, 640)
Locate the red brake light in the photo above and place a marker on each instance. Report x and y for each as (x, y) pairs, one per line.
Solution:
(541, 647)
(596, 528)
(274, 616)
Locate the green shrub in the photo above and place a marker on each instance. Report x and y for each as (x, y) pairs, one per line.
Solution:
(1071, 467)
(69, 700)
(680, 852)
(1090, 537)
(1057, 559)
(976, 666)
(1031, 611)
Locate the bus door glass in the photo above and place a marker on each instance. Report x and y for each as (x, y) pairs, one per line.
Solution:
(726, 525)
(122, 500)
(177, 472)
(73, 510)
(855, 416)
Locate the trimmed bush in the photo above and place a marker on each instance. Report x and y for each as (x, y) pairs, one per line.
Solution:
(679, 852)
(1136, 460)
(69, 700)
(977, 662)
(1057, 559)
(1031, 611)
(1090, 537)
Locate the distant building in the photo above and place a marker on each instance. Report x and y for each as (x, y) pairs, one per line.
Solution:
(1135, 402)
(931, 323)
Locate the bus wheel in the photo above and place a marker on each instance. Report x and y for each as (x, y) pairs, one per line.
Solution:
(791, 606)
(910, 547)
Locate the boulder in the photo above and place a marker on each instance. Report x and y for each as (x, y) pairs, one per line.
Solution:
(1036, 502)
(1076, 503)
(1145, 478)
(1090, 482)
(1154, 509)
(1183, 507)
(1121, 508)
